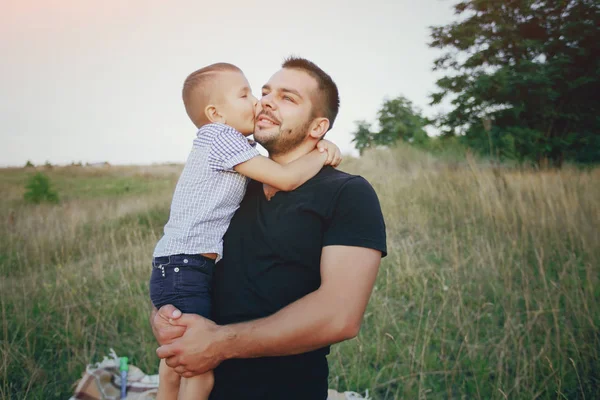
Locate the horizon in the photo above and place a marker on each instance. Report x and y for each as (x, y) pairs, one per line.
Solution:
(101, 82)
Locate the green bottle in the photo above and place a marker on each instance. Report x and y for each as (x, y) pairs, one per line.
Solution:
(124, 367)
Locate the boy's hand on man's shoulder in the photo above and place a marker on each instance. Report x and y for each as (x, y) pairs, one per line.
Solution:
(334, 155)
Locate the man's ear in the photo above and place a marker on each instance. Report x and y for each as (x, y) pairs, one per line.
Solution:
(213, 115)
(319, 128)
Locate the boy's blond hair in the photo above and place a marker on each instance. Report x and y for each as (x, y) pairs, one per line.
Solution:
(198, 90)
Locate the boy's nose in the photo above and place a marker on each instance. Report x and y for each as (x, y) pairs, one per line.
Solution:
(257, 107)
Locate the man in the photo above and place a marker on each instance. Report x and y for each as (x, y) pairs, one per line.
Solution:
(297, 269)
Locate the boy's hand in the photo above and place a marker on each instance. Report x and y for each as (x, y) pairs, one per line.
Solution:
(270, 191)
(165, 331)
(334, 155)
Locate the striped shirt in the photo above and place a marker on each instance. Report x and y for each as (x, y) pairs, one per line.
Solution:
(208, 193)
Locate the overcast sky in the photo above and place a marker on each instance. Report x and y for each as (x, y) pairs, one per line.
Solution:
(101, 80)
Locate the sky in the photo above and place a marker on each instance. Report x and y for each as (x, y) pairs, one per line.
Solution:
(96, 81)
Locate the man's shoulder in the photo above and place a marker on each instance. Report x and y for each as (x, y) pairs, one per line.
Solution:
(328, 184)
(335, 179)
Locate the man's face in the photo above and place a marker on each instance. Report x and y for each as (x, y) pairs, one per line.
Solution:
(284, 113)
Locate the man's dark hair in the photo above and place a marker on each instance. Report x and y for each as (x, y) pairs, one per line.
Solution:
(327, 99)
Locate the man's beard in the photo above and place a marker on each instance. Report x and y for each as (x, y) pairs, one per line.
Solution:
(285, 140)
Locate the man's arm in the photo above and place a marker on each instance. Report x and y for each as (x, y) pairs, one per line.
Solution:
(330, 314)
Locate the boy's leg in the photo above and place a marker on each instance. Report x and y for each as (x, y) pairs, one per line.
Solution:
(197, 387)
(168, 384)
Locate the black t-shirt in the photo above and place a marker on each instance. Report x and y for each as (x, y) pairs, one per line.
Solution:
(271, 258)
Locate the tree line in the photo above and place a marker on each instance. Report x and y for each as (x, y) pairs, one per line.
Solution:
(522, 78)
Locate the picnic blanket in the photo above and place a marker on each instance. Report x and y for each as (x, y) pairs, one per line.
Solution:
(102, 381)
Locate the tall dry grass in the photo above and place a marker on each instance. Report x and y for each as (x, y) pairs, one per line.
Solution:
(490, 289)
(74, 274)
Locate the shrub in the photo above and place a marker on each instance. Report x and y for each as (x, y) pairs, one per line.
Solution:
(40, 189)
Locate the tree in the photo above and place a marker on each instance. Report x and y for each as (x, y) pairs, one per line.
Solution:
(529, 66)
(363, 138)
(398, 120)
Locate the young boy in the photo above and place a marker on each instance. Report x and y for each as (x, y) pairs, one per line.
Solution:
(219, 102)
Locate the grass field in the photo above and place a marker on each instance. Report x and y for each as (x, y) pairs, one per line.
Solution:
(490, 291)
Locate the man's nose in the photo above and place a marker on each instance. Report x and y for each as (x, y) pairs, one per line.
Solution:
(267, 101)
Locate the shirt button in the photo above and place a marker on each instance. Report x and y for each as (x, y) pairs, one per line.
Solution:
(185, 260)
(176, 269)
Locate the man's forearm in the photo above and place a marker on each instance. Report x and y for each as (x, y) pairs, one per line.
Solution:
(312, 322)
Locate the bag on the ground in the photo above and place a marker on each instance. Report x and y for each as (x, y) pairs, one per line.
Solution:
(102, 381)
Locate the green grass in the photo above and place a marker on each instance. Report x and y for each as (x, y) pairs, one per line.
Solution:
(74, 183)
(490, 290)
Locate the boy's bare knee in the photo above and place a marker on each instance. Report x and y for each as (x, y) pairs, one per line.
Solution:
(198, 387)
(172, 377)
(206, 381)
(210, 379)
(168, 375)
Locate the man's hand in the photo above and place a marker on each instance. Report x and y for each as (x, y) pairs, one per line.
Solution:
(163, 327)
(200, 349)
(334, 155)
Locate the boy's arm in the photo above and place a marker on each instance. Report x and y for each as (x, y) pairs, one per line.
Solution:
(290, 176)
(230, 151)
(283, 177)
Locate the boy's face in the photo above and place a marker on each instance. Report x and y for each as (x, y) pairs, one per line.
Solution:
(237, 102)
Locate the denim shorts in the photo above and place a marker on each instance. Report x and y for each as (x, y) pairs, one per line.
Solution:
(184, 281)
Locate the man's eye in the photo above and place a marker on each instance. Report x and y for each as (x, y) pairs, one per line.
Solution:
(244, 96)
(288, 98)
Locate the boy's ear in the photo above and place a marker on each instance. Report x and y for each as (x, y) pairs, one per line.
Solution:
(319, 127)
(213, 115)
